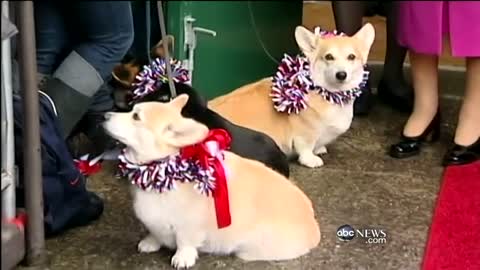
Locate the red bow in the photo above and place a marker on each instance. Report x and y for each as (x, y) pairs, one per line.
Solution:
(86, 168)
(202, 153)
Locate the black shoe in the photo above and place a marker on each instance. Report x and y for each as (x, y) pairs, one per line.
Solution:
(91, 211)
(398, 96)
(410, 146)
(91, 126)
(460, 155)
(363, 103)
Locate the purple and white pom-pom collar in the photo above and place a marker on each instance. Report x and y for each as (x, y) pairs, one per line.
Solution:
(154, 75)
(292, 82)
(161, 175)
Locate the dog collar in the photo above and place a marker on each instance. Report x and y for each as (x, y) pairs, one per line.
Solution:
(201, 164)
(292, 82)
(154, 75)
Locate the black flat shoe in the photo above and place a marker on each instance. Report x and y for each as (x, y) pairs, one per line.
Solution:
(460, 155)
(411, 146)
(399, 96)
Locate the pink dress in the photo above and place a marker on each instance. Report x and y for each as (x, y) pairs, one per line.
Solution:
(424, 24)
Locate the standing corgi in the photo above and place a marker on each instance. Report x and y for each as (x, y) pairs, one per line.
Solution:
(334, 67)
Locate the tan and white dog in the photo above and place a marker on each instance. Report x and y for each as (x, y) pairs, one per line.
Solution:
(336, 63)
(272, 219)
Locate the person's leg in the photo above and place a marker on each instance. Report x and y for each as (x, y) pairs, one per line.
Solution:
(348, 19)
(466, 147)
(90, 124)
(52, 36)
(348, 15)
(108, 29)
(424, 122)
(102, 101)
(425, 82)
(468, 127)
(140, 48)
(393, 89)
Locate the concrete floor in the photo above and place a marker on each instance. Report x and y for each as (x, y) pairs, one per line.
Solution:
(359, 185)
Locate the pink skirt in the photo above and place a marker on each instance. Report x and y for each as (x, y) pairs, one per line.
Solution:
(424, 24)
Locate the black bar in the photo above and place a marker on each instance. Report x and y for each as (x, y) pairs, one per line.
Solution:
(35, 234)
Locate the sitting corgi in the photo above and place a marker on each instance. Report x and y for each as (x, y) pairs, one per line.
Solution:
(319, 90)
(271, 218)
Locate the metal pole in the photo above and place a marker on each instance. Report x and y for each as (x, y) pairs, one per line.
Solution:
(163, 31)
(35, 234)
(8, 143)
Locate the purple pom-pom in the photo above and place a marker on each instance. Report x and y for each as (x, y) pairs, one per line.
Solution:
(161, 175)
(155, 74)
(292, 83)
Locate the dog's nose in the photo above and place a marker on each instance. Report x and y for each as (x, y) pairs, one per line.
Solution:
(107, 116)
(341, 75)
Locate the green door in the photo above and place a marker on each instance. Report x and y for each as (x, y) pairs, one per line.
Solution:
(247, 32)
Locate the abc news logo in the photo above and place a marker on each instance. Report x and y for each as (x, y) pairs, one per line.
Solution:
(372, 236)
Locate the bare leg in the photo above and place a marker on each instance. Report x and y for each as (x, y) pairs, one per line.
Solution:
(425, 81)
(348, 19)
(423, 123)
(393, 89)
(468, 131)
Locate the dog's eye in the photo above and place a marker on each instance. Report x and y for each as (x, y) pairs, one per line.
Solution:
(351, 57)
(329, 57)
(135, 117)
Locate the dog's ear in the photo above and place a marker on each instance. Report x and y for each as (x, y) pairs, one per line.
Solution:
(183, 132)
(366, 35)
(158, 50)
(180, 101)
(306, 40)
(125, 73)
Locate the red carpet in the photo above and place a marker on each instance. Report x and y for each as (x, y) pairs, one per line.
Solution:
(454, 240)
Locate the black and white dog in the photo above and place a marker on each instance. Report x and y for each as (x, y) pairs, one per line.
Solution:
(245, 142)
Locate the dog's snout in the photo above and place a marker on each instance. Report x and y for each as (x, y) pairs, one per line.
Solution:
(107, 116)
(341, 75)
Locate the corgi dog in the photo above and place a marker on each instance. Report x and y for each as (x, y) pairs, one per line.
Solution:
(336, 63)
(271, 218)
(246, 142)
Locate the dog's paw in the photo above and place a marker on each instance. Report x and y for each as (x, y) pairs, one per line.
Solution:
(148, 244)
(310, 160)
(320, 150)
(184, 258)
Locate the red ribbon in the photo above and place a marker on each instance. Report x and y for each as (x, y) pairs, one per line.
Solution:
(86, 169)
(20, 221)
(201, 153)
